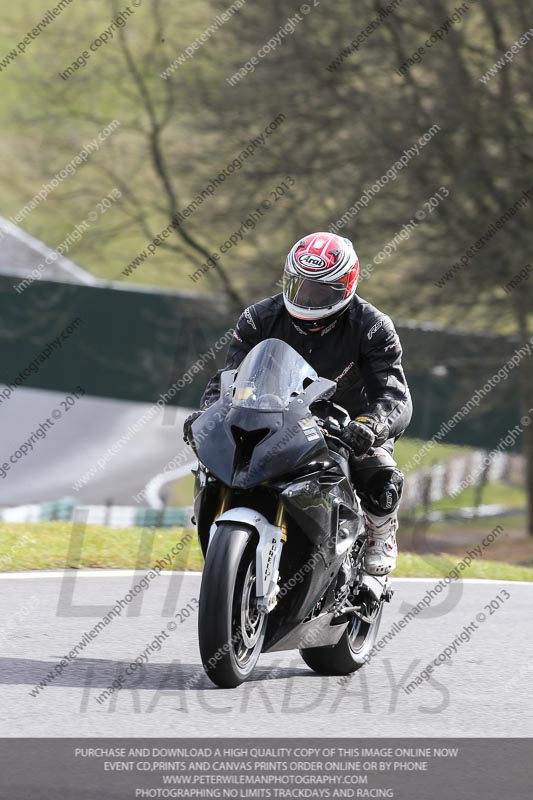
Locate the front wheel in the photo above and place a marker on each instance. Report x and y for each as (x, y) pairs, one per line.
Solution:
(351, 651)
(230, 628)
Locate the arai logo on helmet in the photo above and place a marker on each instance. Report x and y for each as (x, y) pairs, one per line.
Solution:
(309, 260)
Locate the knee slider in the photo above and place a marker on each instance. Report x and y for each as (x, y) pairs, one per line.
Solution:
(385, 496)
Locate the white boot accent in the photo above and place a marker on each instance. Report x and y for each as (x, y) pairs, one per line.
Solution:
(381, 550)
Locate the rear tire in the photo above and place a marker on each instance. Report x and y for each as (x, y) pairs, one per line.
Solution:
(351, 651)
(230, 629)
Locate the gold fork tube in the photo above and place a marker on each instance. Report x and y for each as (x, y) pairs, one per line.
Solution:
(225, 497)
(281, 520)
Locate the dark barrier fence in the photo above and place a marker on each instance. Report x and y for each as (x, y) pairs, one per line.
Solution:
(133, 345)
(449, 369)
(130, 345)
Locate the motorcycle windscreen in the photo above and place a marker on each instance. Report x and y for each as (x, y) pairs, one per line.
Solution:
(261, 427)
(271, 377)
(269, 418)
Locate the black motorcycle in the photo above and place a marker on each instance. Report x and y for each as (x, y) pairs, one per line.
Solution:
(279, 523)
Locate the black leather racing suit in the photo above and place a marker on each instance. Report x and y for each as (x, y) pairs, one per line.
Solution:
(362, 352)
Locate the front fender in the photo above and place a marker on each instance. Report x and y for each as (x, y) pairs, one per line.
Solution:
(268, 551)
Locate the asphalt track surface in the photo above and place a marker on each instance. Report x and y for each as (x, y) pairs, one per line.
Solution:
(483, 690)
(80, 437)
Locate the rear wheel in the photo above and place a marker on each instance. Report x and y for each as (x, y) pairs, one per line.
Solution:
(351, 651)
(231, 630)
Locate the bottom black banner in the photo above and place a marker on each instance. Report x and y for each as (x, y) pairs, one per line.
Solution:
(410, 769)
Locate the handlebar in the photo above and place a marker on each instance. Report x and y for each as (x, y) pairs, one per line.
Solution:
(333, 430)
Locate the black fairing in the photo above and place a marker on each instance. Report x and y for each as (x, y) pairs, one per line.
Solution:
(227, 443)
(317, 507)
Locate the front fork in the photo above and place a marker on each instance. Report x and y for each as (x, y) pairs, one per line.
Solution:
(268, 553)
(281, 521)
(225, 499)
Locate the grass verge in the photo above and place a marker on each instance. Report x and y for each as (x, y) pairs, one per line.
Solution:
(413, 565)
(54, 545)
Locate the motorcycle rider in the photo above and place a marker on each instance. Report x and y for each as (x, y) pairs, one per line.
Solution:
(346, 339)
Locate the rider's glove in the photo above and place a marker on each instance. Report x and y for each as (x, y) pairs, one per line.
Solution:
(363, 433)
(187, 425)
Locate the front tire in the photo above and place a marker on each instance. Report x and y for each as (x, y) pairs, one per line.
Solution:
(230, 629)
(351, 651)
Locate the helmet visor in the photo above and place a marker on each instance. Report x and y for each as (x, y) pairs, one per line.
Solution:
(307, 293)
